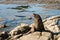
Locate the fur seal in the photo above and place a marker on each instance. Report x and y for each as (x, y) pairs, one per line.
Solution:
(38, 24)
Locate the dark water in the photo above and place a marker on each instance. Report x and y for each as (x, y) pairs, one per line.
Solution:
(10, 19)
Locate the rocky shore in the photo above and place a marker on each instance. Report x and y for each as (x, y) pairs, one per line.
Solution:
(20, 32)
(53, 6)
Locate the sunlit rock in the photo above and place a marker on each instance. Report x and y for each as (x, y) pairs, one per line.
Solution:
(20, 29)
(34, 36)
(52, 24)
(2, 26)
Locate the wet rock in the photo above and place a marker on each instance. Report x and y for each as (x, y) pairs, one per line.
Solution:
(28, 18)
(23, 28)
(20, 7)
(19, 16)
(4, 35)
(2, 26)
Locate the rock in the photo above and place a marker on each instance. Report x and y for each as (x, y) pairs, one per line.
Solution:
(47, 34)
(59, 38)
(31, 25)
(51, 18)
(58, 35)
(2, 26)
(23, 28)
(4, 35)
(44, 38)
(15, 37)
(52, 24)
(34, 36)
(54, 28)
(55, 37)
(28, 18)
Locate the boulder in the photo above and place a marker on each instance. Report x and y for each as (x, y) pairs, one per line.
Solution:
(21, 29)
(52, 24)
(4, 35)
(2, 26)
(34, 36)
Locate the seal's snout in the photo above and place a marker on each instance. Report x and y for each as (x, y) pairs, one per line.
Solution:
(34, 15)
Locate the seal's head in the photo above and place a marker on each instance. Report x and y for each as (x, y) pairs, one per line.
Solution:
(36, 16)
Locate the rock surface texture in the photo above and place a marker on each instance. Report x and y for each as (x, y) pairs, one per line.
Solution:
(52, 24)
